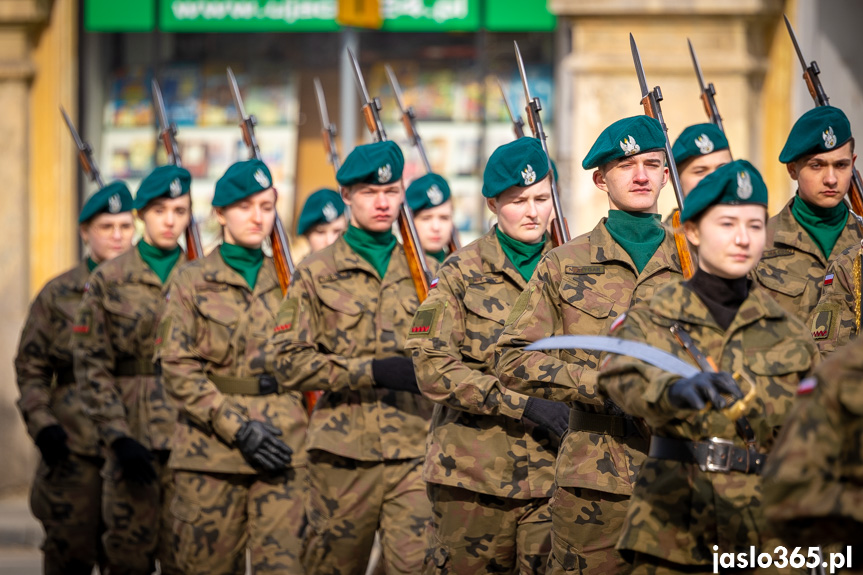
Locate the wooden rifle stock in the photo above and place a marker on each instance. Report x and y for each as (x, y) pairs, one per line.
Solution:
(418, 273)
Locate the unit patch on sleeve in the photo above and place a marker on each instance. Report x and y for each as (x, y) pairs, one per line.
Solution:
(287, 315)
(425, 321)
(85, 323)
(824, 319)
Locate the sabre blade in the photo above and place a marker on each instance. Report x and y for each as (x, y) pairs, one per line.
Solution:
(695, 63)
(235, 93)
(523, 74)
(639, 68)
(794, 41)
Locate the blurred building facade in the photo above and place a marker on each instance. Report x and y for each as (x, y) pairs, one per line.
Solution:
(97, 57)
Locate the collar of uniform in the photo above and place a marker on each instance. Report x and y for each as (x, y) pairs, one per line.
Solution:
(128, 268)
(217, 271)
(492, 256)
(147, 275)
(347, 259)
(604, 249)
(788, 232)
(80, 275)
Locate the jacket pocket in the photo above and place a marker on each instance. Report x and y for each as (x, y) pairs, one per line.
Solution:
(218, 322)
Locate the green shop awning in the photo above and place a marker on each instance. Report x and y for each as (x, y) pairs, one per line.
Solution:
(313, 15)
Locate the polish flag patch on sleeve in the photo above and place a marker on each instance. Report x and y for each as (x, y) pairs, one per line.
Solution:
(828, 280)
(617, 323)
(807, 386)
(434, 283)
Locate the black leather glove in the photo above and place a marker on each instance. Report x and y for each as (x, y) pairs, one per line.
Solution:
(396, 373)
(694, 392)
(51, 442)
(135, 461)
(261, 447)
(550, 415)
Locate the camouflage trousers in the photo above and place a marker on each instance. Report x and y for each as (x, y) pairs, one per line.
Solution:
(67, 500)
(478, 533)
(349, 500)
(138, 520)
(219, 516)
(585, 526)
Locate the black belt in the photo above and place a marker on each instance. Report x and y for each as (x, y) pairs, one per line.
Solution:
(264, 384)
(131, 367)
(614, 425)
(717, 455)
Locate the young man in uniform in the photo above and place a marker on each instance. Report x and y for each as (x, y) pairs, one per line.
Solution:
(815, 225)
(342, 329)
(490, 456)
(67, 490)
(698, 151)
(322, 219)
(580, 288)
(429, 199)
(115, 330)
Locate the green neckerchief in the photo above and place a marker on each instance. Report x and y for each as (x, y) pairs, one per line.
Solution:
(440, 256)
(91, 265)
(639, 233)
(160, 261)
(374, 247)
(523, 256)
(824, 225)
(245, 261)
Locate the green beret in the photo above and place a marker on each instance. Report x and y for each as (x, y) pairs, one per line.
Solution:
(241, 181)
(624, 138)
(735, 183)
(379, 163)
(321, 207)
(819, 130)
(521, 162)
(698, 140)
(112, 199)
(170, 181)
(428, 191)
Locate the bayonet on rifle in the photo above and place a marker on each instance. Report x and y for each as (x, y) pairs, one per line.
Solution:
(650, 100)
(517, 122)
(168, 136)
(413, 249)
(708, 92)
(85, 153)
(328, 129)
(559, 228)
(247, 123)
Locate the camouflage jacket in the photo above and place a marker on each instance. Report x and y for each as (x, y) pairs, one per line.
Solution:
(478, 440)
(677, 511)
(580, 288)
(813, 481)
(43, 365)
(215, 326)
(115, 327)
(338, 316)
(833, 321)
(792, 267)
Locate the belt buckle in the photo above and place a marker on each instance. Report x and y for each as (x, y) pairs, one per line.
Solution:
(267, 384)
(716, 446)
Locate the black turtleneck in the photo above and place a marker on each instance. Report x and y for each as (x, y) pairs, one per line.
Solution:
(723, 297)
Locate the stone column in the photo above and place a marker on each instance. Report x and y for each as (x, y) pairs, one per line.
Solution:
(733, 41)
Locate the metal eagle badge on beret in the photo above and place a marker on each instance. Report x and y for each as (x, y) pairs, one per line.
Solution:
(330, 212)
(528, 175)
(435, 195)
(115, 204)
(629, 146)
(176, 188)
(744, 185)
(385, 174)
(705, 144)
(262, 178)
(829, 138)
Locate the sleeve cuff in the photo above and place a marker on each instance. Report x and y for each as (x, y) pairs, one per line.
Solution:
(228, 421)
(39, 420)
(360, 373)
(513, 404)
(114, 430)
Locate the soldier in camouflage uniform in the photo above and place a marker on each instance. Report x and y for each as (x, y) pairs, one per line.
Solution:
(322, 219)
(580, 288)
(699, 490)
(342, 329)
(698, 151)
(115, 329)
(835, 320)
(815, 224)
(429, 198)
(237, 446)
(490, 453)
(67, 490)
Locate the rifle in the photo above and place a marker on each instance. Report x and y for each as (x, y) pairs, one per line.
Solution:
(168, 136)
(810, 74)
(517, 122)
(413, 250)
(559, 227)
(409, 119)
(650, 100)
(708, 92)
(85, 153)
(328, 129)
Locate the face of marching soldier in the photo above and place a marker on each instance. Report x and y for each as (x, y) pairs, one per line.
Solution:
(246, 223)
(524, 213)
(108, 235)
(633, 183)
(324, 234)
(165, 220)
(696, 168)
(434, 226)
(824, 179)
(374, 207)
(729, 238)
